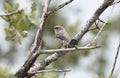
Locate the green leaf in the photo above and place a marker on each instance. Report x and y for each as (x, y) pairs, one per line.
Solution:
(35, 21)
(15, 7)
(26, 19)
(33, 7)
(10, 33)
(8, 7)
(22, 25)
(33, 14)
(5, 18)
(4, 72)
(28, 22)
(19, 40)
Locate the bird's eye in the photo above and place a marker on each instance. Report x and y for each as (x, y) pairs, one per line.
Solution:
(56, 28)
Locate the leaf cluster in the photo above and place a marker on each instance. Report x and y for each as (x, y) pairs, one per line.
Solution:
(19, 22)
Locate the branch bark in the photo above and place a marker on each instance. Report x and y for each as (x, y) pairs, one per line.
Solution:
(115, 61)
(36, 67)
(67, 50)
(90, 21)
(51, 70)
(10, 14)
(48, 70)
(59, 7)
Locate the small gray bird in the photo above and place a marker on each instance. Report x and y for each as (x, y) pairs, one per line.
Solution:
(61, 35)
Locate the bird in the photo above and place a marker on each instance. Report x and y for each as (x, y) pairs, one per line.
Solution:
(61, 35)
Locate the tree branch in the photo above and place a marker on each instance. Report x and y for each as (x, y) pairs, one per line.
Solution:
(47, 70)
(67, 50)
(94, 41)
(10, 14)
(22, 72)
(51, 70)
(115, 61)
(36, 67)
(115, 2)
(59, 7)
(90, 21)
(38, 38)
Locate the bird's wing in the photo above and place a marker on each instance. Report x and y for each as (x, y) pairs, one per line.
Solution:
(63, 38)
(60, 37)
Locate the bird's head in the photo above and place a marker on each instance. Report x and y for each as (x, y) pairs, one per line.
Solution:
(58, 28)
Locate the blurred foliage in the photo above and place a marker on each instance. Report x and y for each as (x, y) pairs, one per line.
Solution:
(4, 72)
(48, 75)
(10, 8)
(20, 24)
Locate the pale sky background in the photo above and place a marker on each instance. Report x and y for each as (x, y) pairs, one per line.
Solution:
(84, 12)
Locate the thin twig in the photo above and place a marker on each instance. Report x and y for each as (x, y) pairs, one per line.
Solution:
(115, 2)
(96, 24)
(10, 14)
(52, 70)
(36, 67)
(59, 7)
(101, 20)
(93, 42)
(115, 60)
(47, 70)
(38, 38)
(67, 50)
(64, 74)
(95, 28)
